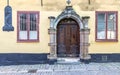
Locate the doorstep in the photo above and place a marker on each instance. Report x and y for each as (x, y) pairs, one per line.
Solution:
(68, 61)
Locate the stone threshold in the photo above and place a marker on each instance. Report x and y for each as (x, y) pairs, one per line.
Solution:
(68, 61)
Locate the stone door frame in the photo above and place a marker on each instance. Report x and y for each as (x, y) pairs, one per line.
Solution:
(84, 32)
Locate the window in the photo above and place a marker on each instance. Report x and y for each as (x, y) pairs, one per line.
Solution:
(28, 26)
(106, 26)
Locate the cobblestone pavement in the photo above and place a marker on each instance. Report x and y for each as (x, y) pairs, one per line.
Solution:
(62, 69)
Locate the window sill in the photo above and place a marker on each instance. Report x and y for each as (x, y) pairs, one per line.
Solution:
(99, 40)
(27, 41)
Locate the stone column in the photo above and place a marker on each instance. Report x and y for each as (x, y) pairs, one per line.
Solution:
(81, 44)
(52, 44)
(84, 40)
(85, 44)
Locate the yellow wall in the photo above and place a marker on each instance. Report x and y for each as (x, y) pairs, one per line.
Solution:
(8, 40)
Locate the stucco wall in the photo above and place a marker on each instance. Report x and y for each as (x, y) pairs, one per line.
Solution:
(8, 40)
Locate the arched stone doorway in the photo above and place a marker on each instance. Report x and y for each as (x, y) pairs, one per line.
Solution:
(53, 31)
(68, 38)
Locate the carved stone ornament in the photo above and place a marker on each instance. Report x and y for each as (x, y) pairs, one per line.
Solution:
(68, 13)
(8, 19)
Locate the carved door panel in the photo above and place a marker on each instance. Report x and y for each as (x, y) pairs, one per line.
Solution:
(74, 40)
(68, 40)
(61, 49)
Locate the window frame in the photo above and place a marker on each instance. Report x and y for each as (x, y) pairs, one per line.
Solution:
(28, 25)
(106, 25)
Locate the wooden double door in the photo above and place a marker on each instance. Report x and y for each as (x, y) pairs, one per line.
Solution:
(68, 38)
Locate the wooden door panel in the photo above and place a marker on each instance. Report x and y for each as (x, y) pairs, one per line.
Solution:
(68, 40)
(74, 47)
(61, 45)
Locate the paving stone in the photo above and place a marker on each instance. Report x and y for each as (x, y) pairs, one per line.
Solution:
(93, 67)
(58, 69)
(108, 73)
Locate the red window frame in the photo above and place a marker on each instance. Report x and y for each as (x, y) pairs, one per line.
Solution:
(106, 40)
(28, 25)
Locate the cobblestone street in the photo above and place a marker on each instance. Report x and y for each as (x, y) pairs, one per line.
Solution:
(62, 69)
